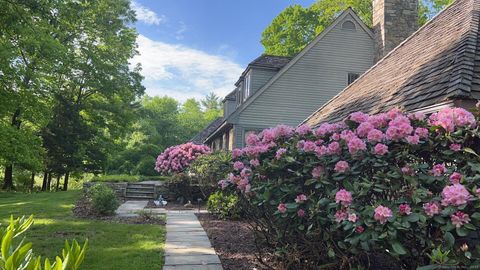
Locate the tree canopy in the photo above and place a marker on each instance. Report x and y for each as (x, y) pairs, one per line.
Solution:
(296, 26)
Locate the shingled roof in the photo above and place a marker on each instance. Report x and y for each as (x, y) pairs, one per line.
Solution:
(270, 61)
(438, 63)
(203, 135)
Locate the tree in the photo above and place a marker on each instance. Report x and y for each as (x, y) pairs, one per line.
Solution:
(296, 26)
(212, 107)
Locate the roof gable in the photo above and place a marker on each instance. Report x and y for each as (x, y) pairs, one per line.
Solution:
(340, 18)
(207, 131)
(435, 64)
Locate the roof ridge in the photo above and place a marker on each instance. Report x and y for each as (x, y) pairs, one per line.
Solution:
(463, 76)
(385, 57)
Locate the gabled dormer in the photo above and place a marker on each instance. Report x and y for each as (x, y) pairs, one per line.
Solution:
(230, 103)
(257, 74)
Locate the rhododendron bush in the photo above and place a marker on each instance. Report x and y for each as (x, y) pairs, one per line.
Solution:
(402, 186)
(176, 159)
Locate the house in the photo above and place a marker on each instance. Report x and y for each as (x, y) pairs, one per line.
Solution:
(438, 66)
(281, 90)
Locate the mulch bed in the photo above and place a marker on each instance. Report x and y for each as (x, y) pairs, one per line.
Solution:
(83, 209)
(233, 241)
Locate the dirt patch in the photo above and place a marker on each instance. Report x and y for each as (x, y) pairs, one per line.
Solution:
(233, 241)
(83, 209)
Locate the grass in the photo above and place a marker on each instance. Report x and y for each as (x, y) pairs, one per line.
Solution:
(111, 245)
(127, 178)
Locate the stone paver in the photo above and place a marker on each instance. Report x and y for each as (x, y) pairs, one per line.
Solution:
(187, 246)
(128, 208)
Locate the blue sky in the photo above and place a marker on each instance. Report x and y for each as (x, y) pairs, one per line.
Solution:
(189, 48)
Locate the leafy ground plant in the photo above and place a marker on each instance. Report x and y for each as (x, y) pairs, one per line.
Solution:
(20, 256)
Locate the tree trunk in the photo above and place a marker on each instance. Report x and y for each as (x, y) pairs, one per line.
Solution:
(32, 181)
(8, 178)
(65, 181)
(49, 181)
(58, 182)
(44, 183)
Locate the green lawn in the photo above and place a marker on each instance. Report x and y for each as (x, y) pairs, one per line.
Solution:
(111, 245)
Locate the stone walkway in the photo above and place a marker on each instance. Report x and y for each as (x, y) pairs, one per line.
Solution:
(187, 246)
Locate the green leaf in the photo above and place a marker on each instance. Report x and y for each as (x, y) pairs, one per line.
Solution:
(471, 151)
(449, 240)
(398, 248)
(428, 267)
(462, 232)
(413, 217)
(476, 216)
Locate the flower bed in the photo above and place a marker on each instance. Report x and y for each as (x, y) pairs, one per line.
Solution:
(395, 185)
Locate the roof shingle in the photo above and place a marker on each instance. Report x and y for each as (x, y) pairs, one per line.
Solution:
(439, 62)
(203, 135)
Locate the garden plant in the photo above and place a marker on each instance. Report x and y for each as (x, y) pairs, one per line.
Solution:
(395, 187)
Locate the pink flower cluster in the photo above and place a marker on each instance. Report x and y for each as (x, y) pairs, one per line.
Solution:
(382, 214)
(343, 197)
(450, 118)
(455, 195)
(459, 219)
(177, 158)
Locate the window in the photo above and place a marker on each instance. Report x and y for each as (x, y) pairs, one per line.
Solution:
(247, 86)
(349, 25)
(352, 77)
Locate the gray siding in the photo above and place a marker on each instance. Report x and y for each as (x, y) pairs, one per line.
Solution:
(229, 107)
(315, 78)
(260, 77)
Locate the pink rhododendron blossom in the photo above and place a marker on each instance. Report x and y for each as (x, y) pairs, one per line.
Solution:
(252, 139)
(303, 130)
(318, 171)
(245, 173)
(421, 132)
(238, 165)
(283, 131)
(380, 149)
(301, 198)
(455, 178)
(309, 146)
(450, 118)
(301, 213)
(414, 139)
(404, 209)
(417, 116)
(379, 120)
(459, 219)
(359, 117)
(268, 135)
(355, 145)
(364, 128)
(455, 147)
(347, 135)
(223, 184)
(335, 136)
(352, 217)
(455, 194)
(382, 214)
(375, 135)
(341, 166)
(399, 128)
(236, 153)
(431, 208)
(282, 208)
(439, 169)
(280, 153)
(243, 185)
(255, 162)
(300, 144)
(343, 197)
(334, 148)
(177, 158)
(321, 151)
(359, 229)
(394, 113)
(407, 170)
(341, 215)
(325, 129)
(319, 142)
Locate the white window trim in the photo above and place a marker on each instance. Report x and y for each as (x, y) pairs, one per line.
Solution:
(247, 85)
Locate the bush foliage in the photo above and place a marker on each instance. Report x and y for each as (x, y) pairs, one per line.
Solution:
(224, 205)
(104, 199)
(400, 186)
(19, 256)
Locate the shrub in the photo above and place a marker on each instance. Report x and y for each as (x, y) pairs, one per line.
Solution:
(396, 185)
(104, 200)
(116, 178)
(208, 169)
(224, 205)
(20, 256)
(176, 159)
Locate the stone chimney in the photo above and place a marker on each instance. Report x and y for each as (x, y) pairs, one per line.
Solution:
(393, 22)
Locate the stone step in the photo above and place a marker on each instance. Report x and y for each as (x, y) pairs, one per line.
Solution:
(140, 188)
(140, 191)
(129, 185)
(138, 197)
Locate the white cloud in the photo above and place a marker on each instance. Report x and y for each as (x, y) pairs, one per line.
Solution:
(182, 29)
(182, 72)
(146, 15)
